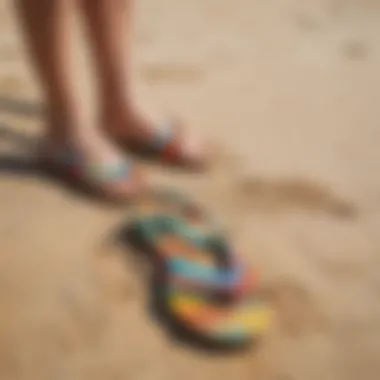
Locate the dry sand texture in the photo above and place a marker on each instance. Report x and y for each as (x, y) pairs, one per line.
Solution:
(291, 89)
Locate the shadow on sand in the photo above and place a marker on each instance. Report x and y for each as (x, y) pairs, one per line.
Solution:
(23, 164)
(20, 107)
(26, 164)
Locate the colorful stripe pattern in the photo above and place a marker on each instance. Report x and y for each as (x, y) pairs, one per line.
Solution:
(247, 318)
(197, 274)
(164, 143)
(74, 167)
(194, 265)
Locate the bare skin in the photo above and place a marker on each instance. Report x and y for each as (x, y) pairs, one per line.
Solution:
(121, 116)
(47, 26)
(106, 22)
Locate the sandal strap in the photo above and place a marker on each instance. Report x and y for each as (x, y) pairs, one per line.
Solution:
(208, 275)
(164, 143)
(72, 160)
(110, 173)
(162, 137)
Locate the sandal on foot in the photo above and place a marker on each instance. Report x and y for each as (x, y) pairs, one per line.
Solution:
(111, 181)
(169, 145)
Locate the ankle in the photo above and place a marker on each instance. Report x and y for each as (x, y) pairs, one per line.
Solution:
(67, 127)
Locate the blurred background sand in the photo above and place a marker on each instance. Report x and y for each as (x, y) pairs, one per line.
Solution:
(290, 89)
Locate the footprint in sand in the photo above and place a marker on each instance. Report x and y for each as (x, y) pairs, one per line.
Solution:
(11, 84)
(306, 23)
(114, 272)
(159, 73)
(285, 194)
(296, 311)
(354, 50)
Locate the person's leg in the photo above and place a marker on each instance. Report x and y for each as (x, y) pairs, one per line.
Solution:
(47, 26)
(109, 25)
(110, 29)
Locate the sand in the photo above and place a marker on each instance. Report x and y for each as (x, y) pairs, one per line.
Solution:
(290, 91)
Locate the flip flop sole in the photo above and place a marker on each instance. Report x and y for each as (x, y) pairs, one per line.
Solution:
(246, 322)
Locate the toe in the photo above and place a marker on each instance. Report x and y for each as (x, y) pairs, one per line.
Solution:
(195, 151)
(129, 187)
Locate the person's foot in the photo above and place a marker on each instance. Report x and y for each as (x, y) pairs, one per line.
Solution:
(165, 142)
(92, 162)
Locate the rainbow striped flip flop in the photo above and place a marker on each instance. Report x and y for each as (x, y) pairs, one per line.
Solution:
(204, 287)
(217, 304)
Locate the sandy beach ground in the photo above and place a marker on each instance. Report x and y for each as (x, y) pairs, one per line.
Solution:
(290, 90)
